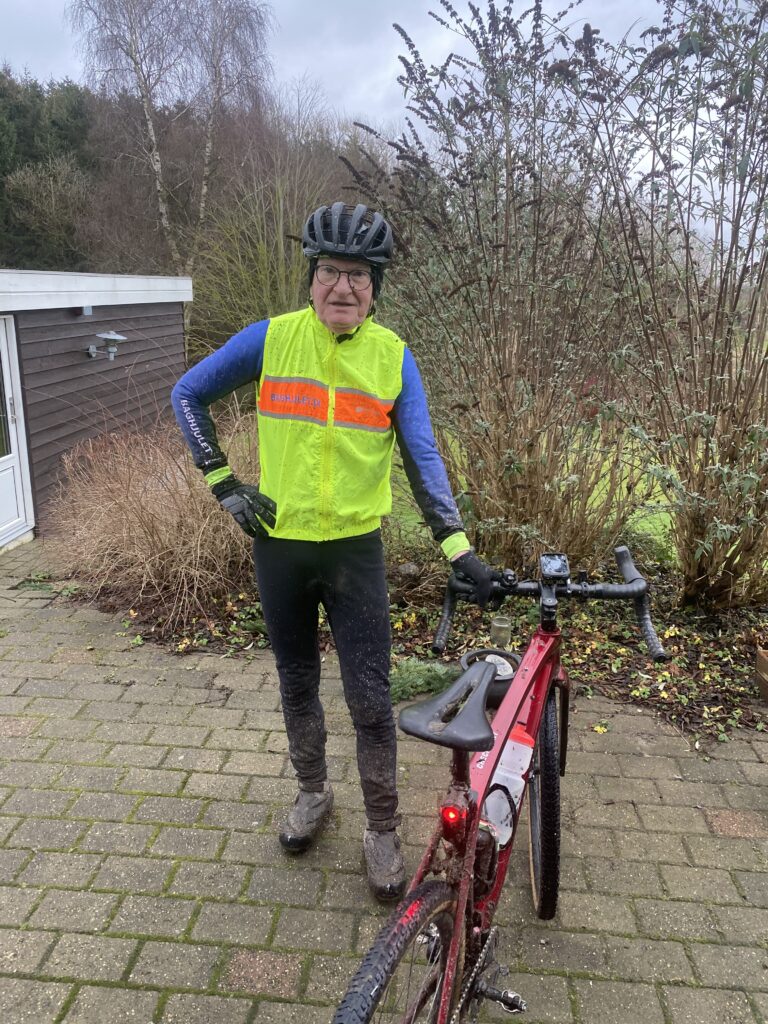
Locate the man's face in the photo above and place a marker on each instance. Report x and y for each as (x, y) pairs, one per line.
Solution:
(340, 306)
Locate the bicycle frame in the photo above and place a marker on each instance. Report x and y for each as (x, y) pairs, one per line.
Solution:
(521, 707)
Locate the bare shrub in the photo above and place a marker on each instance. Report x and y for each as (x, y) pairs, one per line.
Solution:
(681, 127)
(136, 521)
(503, 287)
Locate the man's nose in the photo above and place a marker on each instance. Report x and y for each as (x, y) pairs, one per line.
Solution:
(343, 285)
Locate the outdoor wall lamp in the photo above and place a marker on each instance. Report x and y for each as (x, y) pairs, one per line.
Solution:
(109, 349)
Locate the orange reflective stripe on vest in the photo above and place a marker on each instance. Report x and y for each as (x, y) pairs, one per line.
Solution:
(296, 398)
(361, 410)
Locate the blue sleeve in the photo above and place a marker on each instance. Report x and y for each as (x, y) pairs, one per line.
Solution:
(236, 363)
(423, 464)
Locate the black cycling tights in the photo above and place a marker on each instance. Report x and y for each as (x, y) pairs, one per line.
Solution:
(347, 577)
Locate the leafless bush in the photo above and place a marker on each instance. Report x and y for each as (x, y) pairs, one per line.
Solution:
(136, 521)
(681, 131)
(503, 287)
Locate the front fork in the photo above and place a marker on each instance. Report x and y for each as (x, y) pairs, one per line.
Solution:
(563, 684)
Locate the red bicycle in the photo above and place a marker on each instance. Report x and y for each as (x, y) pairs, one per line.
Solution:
(434, 960)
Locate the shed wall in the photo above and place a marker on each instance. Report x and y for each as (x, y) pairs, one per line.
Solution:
(70, 397)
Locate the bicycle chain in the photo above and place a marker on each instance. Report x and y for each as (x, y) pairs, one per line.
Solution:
(473, 976)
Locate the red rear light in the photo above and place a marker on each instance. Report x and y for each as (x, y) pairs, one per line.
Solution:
(454, 819)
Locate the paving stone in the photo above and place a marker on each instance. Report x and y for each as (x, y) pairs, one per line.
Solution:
(641, 959)
(17, 749)
(100, 779)
(69, 752)
(153, 916)
(159, 714)
(40, 803)
(691, 794)
(747, 797)
(30, 1002)
(263, 973)
(696, 769)
(757, 774)
(114, 1005)
(90, 957)
(650, 847)
(754, 886)
(29, 773)
(47, 834)
(193, 759)
(111, 711)
(133, 874)
(122, 732)
(73, 911)
(129, 754)
(717, 852)
(22, 951)
(175, 965)
(215, 880)
(16, 903)
(742, 924)
(692, 1006)
(249, 848)
(188, 1009)
(109, 837)
(232, 814)
(290, 1013)
(617, 878)
(346, 892)
(66, 728)
(150, 781)
(14, 726)
(545, 948)
(743, 824)
(169, 809)
(674, 919)
(61, 870)
(233, 922)
(595, 912)
(641, 791)
(709, 885)
(276, 885)
(731, 966)
(199, 843)
(218, 718)
(10, 864)
(248, 763)
(104, 806)
(220, 787)
(632, 766)
(683, 820)
(326, 930)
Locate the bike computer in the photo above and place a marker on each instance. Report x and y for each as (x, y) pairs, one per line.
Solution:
(554, 567)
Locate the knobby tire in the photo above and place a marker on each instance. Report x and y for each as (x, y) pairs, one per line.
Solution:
(395, 983)
(544, 813)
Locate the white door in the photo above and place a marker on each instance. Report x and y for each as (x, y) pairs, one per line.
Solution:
(16, 514)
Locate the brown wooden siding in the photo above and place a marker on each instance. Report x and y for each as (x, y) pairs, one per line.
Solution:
(69, 397)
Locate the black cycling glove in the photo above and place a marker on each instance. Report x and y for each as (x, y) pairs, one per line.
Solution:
(475, 571)
(246, 504)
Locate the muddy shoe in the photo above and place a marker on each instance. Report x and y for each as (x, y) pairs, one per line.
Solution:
(305, 819)
(384, 863)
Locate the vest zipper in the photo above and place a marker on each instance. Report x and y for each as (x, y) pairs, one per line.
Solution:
(326, 475)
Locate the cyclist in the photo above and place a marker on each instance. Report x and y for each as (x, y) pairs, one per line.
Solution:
(334, 391)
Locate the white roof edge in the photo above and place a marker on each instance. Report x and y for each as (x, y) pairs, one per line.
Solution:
(53, 289)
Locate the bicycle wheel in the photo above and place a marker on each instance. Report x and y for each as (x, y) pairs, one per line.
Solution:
(544, 813)
(400, 978)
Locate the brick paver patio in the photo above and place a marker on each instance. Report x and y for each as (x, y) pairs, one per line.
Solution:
(140, 879)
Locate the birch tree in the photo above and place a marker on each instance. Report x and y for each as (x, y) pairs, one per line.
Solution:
(186, 57)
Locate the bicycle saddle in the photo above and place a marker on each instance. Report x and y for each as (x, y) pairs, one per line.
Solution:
(456, 717)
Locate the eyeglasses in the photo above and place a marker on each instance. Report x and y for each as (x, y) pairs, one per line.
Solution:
(327, 275)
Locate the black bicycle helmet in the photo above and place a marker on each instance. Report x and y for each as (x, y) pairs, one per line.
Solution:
(348, 232)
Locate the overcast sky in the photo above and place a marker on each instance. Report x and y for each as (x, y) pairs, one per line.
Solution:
(348, 47)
